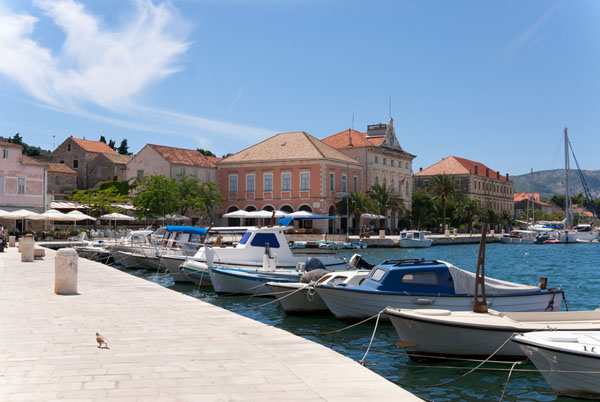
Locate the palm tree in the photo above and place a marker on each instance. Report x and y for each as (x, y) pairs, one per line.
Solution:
(468, 210)
(442, 187)
(385, 200)
(357, 203)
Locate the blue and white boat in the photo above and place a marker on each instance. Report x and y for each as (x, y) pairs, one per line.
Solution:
(418, 284)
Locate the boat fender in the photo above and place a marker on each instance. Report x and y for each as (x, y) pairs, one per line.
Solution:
(433, 312)
(313, 276)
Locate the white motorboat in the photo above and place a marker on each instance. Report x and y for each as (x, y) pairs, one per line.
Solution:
(568, 361)
(415, 284)
(261, 248)
(426, 332)
(300, 298)
(519, 237)
(135, 241)
(413, 239)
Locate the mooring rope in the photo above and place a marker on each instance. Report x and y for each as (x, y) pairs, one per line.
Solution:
(508, 379)
(270, 302)
(362, 361)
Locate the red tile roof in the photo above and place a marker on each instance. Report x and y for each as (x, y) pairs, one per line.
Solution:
(183, 156)
(118, 158)
(359, 139)
(523, 196)
(59, 168)
(9, 144)
(94, 146)
(31, 161)
(456, 165)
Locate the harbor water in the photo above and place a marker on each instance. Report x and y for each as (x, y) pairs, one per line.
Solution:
(574, 267)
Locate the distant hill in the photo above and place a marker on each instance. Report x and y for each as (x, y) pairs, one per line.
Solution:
(551, 182)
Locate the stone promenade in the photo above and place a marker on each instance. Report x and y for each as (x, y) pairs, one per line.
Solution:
(163, 346)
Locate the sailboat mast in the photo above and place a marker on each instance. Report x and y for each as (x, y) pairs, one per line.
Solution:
(568, 213)
(532, 197)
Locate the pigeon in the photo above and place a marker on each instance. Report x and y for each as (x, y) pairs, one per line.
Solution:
(101, 341)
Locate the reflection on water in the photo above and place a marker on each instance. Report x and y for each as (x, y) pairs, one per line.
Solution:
(571, 266)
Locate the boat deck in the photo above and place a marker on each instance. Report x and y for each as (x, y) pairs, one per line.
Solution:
(163, 346)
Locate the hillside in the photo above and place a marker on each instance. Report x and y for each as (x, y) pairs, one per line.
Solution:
(551, 182)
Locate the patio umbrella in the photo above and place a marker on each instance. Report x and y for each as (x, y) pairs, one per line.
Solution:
(52, 215)
(240, 213)
(115, 216)
(80, 216)
(265, 214)
(3, 214)
(371, 216)
(176, 217)
(22, 214)
(308, 215)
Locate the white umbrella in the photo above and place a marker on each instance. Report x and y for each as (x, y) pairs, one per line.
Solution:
(240, 213)
(79, 216)
(115, 216)
(371, 216)
(22, 214)
(176, 217)
(53, 215)
(265, 214)
(4, 214)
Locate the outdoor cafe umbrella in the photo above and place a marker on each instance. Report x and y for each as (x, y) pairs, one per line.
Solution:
(240, 213)
(22, 214)
(115, 216)
(79, 216)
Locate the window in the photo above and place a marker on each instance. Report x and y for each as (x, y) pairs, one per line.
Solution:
(392, 162)
(207, 175)
(1, 184)
(63, 162)
(377, 274)
(246, 235)
(233, 183)
(99, 170)
(68, 147)
(406, 165)
(355, 183)
(376, 159)
(268, 182)
(385, 161)
(376, 180)
(262, 239)
(344, 183)
(56, 179)
(331, 181)
(304, 181)
(250, 183)
(182, 171)
(286, 182)
(196, 174)
(140, 174)
(4, 153)
(75, 164)
(421, 278)
(21, 186)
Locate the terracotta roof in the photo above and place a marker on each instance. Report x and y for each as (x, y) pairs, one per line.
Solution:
(31, 161)
(59, 168)
(183, 156)
(93, 146)
(456, 165)
(289, 146)
(359, 139)
(523, 196)
(9, 144)
(118, 158)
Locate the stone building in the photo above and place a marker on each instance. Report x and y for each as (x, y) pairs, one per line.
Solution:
(170, 161)
(61, 179)
(77, 154)
(107, 166)
(290, 172)
(475, 179)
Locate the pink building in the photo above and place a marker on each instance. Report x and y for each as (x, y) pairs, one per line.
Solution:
(23, 181)
(291, 172)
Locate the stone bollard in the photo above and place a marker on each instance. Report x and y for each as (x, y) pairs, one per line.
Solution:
(12, 240)
(65, 271)
(26, 244)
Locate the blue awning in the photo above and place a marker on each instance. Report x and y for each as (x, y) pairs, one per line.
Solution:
(187, 229)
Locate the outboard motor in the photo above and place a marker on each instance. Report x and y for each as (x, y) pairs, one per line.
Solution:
(313, 263)
(357, 262)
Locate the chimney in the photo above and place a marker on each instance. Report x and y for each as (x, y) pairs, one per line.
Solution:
(507, 178)
(487, 172)
(350, 138)
(420, 169)
(476, 170)
(498, 174)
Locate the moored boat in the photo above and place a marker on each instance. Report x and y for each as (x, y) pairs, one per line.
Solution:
(426, 333)
(519, 237)
(413, 239)
(568, 361)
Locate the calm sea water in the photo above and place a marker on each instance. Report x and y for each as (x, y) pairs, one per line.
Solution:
(574, 267)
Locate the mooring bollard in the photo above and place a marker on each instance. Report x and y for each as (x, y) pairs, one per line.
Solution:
(11, 241)
(65, 271)
(26, 244)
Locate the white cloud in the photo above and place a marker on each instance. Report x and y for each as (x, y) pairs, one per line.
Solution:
(104, 66)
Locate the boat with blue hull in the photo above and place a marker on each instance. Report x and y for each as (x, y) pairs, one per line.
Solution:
(418, 284)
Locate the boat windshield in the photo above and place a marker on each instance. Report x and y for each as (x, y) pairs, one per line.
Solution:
(245, 238)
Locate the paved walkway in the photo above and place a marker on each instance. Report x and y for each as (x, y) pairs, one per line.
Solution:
(164, 346)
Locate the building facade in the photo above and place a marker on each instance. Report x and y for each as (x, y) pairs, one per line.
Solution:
(107, 166)
(23, 180)
(77, 153)
(170, 161)
(290, 172)
(475, 180)
(61, 179)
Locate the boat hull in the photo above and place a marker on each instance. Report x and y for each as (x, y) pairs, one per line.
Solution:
(298, 298)
(414, 243)
(232, 281)
(356, 304)
(514, 240)
(172, 264)
(196, 272)
(577, 237)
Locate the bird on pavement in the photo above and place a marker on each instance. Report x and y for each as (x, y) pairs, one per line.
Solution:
(101, 341)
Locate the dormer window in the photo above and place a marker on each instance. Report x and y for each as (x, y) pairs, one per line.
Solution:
(68, 147)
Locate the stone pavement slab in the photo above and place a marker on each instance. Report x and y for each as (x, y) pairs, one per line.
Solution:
(163, 346)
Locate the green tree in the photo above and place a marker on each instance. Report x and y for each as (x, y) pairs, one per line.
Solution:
(102, 139)
(356, 203)
(384, 200)
(99, 201)
(111, 144)
(155, 196)
(123, 148)
(442, 187)
(467, 210)
(205, 152)
(16, 139)
(423, 210)
(122, 186)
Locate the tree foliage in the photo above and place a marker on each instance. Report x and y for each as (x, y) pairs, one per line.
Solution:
(443, 188)
(28, 150)
(423, 213)
(468, 210)
(102, 139)
(123, 148)
(99, 201)
(155, 196)
(121, 186)
(205, 152)
(111, 144)
(356, 203)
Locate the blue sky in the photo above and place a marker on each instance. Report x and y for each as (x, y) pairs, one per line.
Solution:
(490, 81)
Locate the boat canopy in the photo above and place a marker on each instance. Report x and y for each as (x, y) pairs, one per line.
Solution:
(187, 229)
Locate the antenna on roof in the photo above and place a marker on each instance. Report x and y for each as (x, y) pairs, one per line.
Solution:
(352, 120)
(390, 105)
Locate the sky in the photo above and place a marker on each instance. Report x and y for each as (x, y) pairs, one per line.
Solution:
(495, 82)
